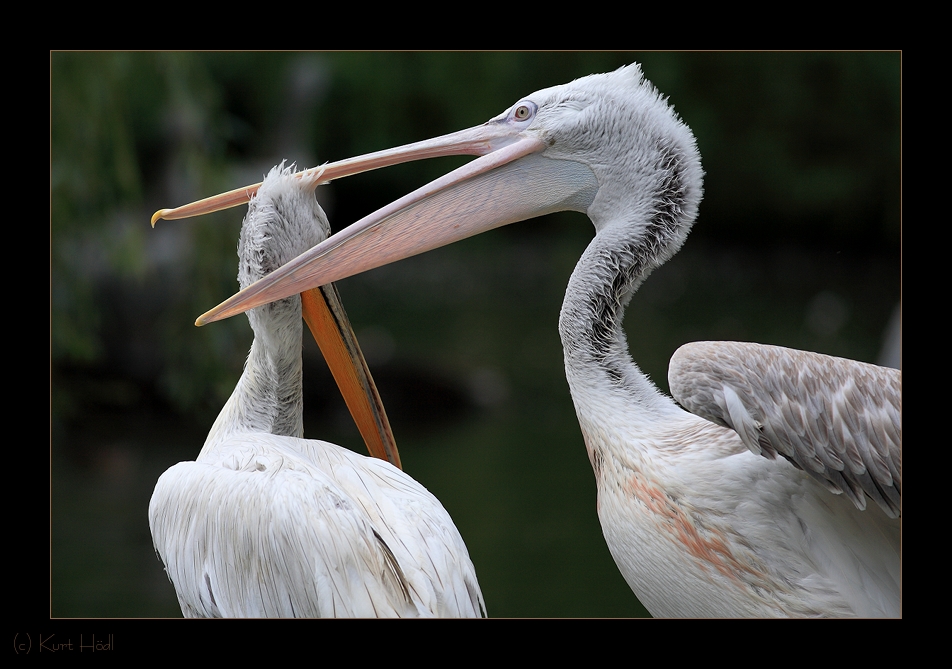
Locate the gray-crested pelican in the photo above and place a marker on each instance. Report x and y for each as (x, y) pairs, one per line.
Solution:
(266, 523)
(701, 520)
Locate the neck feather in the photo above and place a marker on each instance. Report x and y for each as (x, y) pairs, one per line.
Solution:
(634, 236)
(269, 396)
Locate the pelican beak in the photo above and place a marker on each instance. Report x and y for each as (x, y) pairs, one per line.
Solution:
(325, 316)
(468, 142)
(511, 181)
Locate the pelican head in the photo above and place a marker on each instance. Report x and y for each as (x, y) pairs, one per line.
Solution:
(283, 221)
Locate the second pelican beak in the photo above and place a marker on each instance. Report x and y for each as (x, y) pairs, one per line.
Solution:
(325, 316)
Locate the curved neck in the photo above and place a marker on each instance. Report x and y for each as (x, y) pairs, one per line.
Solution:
(634, 236)
(598, 365)
(269, 395)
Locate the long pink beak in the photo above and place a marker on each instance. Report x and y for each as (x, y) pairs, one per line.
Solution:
(510, 182)
(468, 142)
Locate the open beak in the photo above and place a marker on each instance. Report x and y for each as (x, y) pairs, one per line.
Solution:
(511, 181)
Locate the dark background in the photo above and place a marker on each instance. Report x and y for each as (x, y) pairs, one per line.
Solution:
(798, 243)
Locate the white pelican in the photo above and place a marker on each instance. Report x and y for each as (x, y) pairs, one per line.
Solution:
(698, 523)
(266, 523)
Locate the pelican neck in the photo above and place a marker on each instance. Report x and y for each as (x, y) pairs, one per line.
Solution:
(269, 395)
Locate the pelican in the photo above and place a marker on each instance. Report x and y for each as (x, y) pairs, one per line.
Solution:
(700, 514)
(266, 523)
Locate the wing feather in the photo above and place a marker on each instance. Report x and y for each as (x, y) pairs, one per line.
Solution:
(837, 419)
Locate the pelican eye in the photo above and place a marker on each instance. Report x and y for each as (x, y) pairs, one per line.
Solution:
(524, 111)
